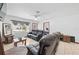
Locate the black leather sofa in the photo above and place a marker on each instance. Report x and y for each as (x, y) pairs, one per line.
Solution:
(36, 34)
(47, 45)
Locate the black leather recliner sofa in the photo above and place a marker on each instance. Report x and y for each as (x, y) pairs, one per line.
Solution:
(47, 45)
(36, 34)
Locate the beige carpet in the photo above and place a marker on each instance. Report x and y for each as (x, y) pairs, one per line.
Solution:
(67, 49)
(8, 46)
(11, 45)
(63, 47)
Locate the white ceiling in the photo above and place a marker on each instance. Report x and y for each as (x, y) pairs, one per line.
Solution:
(26, 10)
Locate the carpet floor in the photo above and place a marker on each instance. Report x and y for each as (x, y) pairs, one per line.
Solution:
(63, 47)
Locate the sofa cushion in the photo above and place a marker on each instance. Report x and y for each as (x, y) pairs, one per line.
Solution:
(34, 48)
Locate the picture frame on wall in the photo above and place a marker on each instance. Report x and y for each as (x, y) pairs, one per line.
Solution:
(46, 26)
(6, 29)
(34, 26)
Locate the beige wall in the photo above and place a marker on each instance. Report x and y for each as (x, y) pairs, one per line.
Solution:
(68, 25)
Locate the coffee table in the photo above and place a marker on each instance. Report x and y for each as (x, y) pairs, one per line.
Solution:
(20, 40)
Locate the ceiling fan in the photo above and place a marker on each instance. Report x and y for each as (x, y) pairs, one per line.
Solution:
(37, 14)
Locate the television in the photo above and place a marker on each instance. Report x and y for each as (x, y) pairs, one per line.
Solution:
(1, 4)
